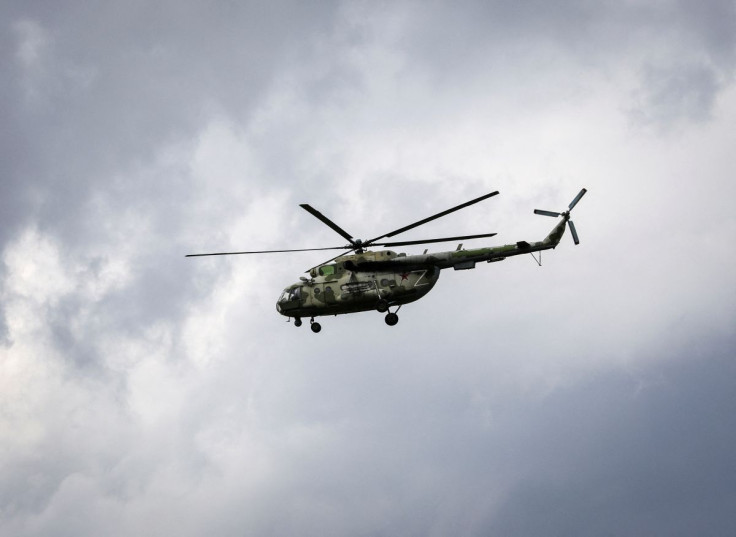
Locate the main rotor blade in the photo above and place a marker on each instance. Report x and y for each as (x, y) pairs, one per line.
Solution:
(574, 233)
(546, 213)
(273, 251)
(330, 260)
(428, 241)
(577, 199)
(433, 217)
(314, 212)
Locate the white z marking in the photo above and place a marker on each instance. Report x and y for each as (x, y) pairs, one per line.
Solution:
(423, 273)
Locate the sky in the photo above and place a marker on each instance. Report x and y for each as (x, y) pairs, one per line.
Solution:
(145, 393)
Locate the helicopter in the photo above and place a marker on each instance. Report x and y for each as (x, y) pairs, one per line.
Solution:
(360, 279)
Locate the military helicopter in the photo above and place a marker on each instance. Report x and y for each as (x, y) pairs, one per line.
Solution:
(365, 280)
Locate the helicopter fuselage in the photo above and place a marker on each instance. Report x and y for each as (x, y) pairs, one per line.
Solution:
(375, 280)
(335, 289)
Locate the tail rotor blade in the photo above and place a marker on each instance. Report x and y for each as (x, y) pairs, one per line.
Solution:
(546, 213)
(573, 232)
(574, 202)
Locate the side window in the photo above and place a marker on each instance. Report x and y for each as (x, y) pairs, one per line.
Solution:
(295, 293)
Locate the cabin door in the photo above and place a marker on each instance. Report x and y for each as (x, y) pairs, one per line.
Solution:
(386, 284)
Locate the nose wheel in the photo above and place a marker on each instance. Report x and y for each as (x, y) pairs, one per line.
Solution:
(316, 327)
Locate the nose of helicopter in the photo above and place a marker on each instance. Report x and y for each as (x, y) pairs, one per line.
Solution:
(288, 300)
(279, 303)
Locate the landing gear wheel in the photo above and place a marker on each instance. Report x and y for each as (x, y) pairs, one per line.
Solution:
(392, 319)
(316, 327)
(382, 306)
(297, 322)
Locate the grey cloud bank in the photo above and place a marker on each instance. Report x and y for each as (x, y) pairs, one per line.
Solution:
(141, 392)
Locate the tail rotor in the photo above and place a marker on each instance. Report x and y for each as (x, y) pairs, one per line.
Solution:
(566, 215)
(547, 213)
(573, 232)
(574, 202)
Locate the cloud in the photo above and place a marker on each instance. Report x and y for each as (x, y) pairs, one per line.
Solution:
(671, 95)
(616, 444)
(32, 40)
(166, 394)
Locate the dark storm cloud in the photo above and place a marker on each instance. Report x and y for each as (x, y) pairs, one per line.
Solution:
(91, 97)
(639, 454)
(593, 32)
(88, 100)
(621, 452)
(146, 393)
(110, 86)
(686, 53)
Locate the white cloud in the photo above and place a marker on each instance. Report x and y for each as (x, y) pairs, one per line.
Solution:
(166, 394)
(32, 42)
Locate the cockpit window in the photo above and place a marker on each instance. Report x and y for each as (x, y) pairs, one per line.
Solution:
(295, 293)
(290, 294)
(327, 270)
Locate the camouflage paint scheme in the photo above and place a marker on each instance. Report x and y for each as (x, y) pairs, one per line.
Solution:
(361, 281)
